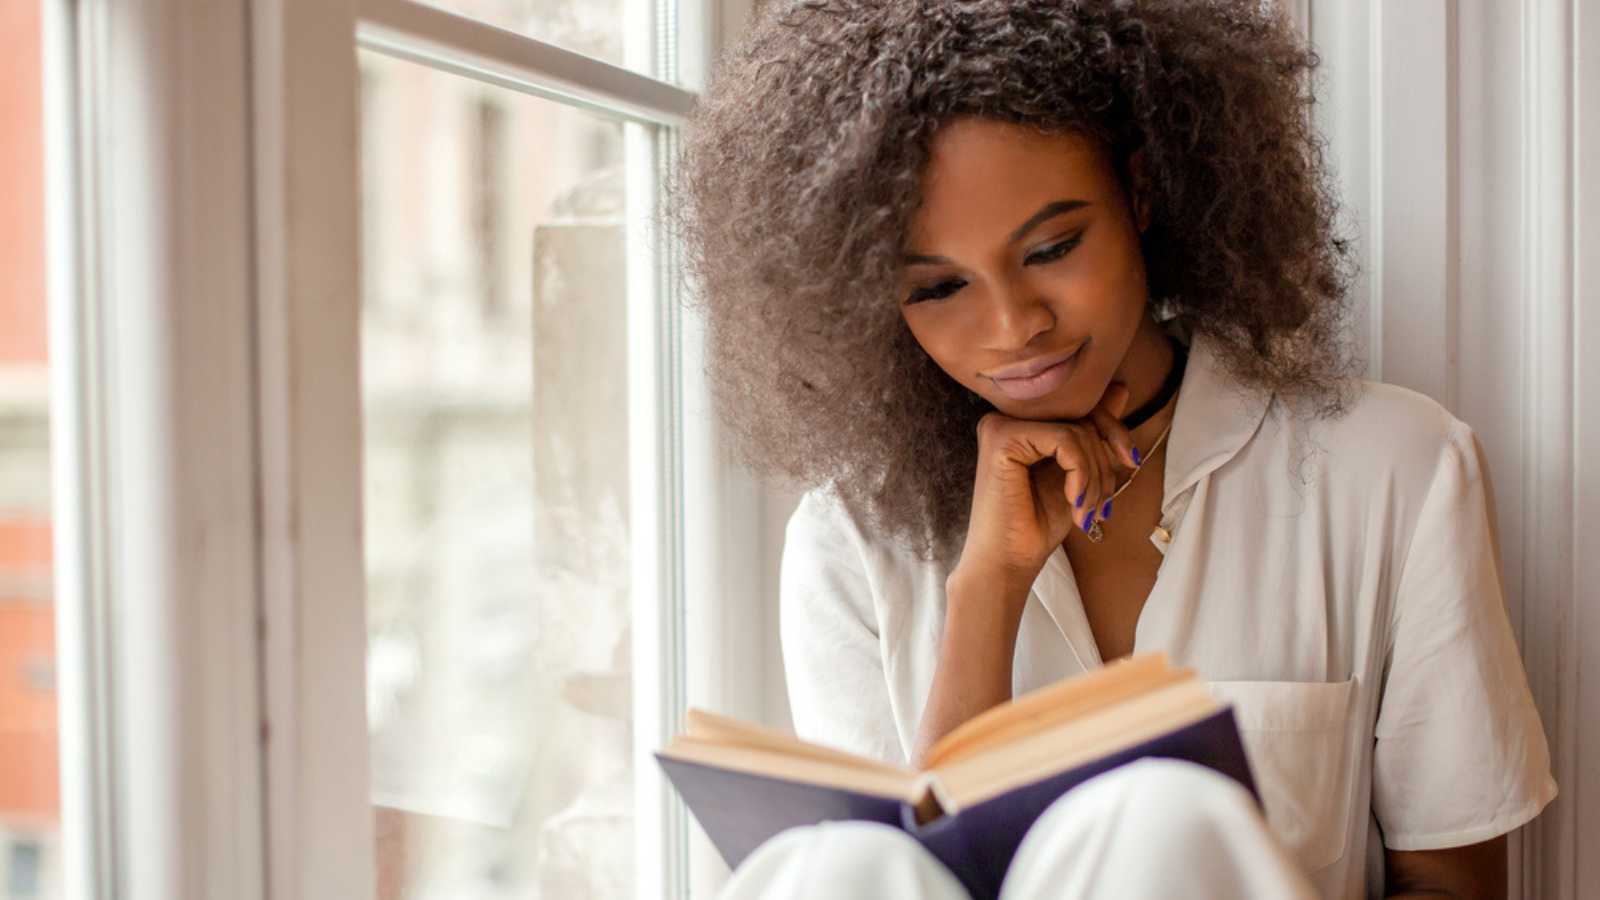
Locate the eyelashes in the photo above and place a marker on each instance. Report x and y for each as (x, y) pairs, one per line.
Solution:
(945, 288)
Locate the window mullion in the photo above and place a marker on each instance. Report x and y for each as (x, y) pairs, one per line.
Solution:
(467, 47)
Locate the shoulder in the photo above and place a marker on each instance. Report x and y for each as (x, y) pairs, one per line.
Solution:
(822, 542)
(828, 515)
(822, 517)
(1387, 433)
(825, 575)
(830, 543)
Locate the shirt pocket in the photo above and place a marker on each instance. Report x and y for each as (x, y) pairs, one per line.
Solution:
(1297, 738)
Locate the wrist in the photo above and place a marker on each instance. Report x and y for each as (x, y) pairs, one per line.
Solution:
(989, 586)
(980, 600)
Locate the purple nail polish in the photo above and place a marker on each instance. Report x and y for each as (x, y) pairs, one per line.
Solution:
(1079, 501)
(1106, 512)
(1137, 459)
(1088, 517)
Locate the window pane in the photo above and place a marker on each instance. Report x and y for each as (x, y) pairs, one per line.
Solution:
(616, 31)
(30, 807)
(496, 465)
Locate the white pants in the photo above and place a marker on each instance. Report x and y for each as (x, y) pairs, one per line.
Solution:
(1152, 828)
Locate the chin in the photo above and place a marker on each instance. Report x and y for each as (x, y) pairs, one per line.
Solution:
(1061, 406)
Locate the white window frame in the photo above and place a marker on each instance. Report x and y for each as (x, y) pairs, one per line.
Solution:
(206, 429)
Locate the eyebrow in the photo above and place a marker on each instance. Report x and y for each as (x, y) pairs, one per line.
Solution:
(1048, 211)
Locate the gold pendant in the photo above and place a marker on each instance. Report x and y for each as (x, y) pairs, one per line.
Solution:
(1096, 534)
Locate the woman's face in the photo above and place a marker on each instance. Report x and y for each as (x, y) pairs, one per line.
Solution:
(1025, 251)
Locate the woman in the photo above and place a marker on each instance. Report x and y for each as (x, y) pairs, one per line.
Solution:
(1043, 303)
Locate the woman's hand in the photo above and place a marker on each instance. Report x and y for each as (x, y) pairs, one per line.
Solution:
(1036, 481)
(1030, 477)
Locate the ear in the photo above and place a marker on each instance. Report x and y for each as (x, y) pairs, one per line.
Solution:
(1139, 185)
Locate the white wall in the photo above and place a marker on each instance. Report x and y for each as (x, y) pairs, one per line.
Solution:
(1460, 130)
(1457, 126)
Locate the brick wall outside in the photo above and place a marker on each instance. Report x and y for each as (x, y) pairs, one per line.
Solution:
(29, 798)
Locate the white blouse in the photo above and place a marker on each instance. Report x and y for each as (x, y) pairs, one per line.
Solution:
(1336, 580)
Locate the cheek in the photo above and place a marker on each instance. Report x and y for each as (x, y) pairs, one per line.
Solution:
(1097, 287)
(947, 341)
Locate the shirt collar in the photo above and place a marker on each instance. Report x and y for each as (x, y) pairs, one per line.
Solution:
(1215, 417)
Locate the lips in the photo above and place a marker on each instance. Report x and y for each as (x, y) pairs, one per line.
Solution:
(1049, 374)
(1033, 366)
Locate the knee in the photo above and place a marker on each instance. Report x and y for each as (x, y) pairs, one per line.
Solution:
(841, 859)
(1156, 785)
(1177, 800)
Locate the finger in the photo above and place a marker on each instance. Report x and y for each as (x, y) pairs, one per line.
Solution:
(1103, 482)
(1027, 441)
(1072, 444)
(1109, 464)
(1020, 441)
(1077, 482)
(1107, 418)
(1116, 435)
(1089, 442)
(1115, 399)
(1105, 478)
(1068, 491)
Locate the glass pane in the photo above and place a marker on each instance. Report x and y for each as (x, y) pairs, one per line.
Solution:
(30, 808)
(496, 469)
(616, 31)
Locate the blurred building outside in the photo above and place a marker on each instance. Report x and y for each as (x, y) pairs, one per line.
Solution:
(30, 806)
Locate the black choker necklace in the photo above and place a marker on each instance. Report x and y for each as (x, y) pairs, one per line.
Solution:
(1168, 388)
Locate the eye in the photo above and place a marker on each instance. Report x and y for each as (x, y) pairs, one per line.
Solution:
(1055, 251)
(938, 292)
(945, 288)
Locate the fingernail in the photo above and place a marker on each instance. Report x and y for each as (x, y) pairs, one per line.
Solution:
(1088, 517)
(1079, 501)
(1137, 460)
(1106, 513)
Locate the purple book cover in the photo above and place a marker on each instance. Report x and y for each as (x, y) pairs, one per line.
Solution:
(740, 810)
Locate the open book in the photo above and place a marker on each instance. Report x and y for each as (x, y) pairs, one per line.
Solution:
(982, 784)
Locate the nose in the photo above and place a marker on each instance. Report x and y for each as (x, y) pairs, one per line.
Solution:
(1016, 317)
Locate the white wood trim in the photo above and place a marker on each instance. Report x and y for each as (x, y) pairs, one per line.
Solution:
(1583, 785)
(655, 524)
(730, 607)
(477, 50)
(1372, 57)
(307, 240)
(729, 598)
(1415, 304)
(1344, 36)
(151, 318)
(1549, 612)
(80, 489)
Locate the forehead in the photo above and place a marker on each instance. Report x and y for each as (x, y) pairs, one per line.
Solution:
(983, 172)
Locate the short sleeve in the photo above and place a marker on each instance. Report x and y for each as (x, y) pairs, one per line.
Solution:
(838, 694)
(1460, 754)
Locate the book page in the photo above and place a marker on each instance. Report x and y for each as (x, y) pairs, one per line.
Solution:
(1070, 698)
(712, 728)
(1073, 743)
(899, 785)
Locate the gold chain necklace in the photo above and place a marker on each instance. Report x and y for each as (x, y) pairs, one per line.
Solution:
(1096, 533)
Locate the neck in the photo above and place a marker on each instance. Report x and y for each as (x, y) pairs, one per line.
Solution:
(1144, 368)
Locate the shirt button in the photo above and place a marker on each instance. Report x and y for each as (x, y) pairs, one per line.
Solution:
(1161, 534)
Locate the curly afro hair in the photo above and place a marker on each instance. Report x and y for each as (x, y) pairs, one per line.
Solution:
(800, 173)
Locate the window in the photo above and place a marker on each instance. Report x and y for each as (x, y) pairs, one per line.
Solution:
(597, 28)
(499, 596)
(386, 492)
